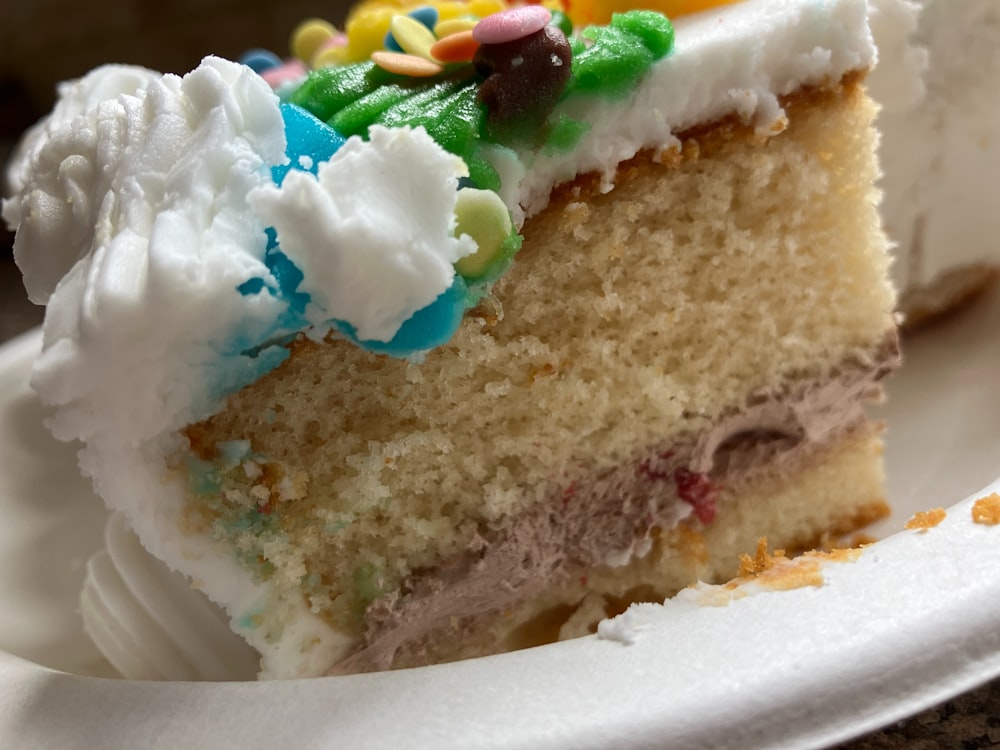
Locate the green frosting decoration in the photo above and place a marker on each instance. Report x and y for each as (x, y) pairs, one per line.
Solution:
(355, 118)
(654, 29)
(607, 61)
(620, 53)
(328, 90)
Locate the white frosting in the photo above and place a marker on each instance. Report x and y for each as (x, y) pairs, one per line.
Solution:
(733, 60)
(140, 213)
(373, 250)
(75, 98)
(940, 152)
(135, 228)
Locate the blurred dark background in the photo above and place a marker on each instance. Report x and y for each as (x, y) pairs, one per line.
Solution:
(43, 42)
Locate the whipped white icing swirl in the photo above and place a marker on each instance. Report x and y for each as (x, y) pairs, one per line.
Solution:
(134, 227)
(141, 223)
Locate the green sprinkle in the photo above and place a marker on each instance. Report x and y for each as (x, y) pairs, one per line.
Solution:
(481, 215)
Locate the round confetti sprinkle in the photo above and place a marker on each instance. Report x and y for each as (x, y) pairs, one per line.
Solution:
(512, 24)
(406, 65)
(309, 37)
(334, 52)
(412, 36)
(484, 217)
(292, 70)
(426, 15)
(454, 26)
(259, 60)
(460, 47)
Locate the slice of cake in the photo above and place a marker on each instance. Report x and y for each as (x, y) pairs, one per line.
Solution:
(513, 337)
(937, 80)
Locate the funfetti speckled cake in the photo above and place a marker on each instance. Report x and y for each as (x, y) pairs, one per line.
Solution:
(938, 81)
(417, 360)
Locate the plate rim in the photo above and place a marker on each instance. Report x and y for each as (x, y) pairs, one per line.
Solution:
(573, 669)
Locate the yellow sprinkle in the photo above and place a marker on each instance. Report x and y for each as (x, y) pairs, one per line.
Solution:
(406, 65)
(369, 21)
(309, 36)
(412, 36)
(454, 26)
(484, 217)
(329, 57)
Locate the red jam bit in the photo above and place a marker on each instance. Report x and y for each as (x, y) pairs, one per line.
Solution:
(696, 489)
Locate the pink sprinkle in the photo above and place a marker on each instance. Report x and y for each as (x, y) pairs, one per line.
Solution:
(511, 24)
(292, 70)
(339, 39)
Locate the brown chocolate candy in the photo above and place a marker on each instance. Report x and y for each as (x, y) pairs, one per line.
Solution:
(525, 79)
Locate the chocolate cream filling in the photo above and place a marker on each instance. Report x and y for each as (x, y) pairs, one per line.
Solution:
(609, 518)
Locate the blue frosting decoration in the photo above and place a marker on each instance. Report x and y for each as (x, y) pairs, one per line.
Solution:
(307, 137)
(310, 142)
(427, 328)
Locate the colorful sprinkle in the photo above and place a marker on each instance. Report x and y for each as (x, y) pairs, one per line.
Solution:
(406, 65)
(310, 36)
(412, 36)
(368, 23)
(512, 24)
(333, 52)
(425, 14)
(293, 70)
(460, 47)
(484, 217)
(259, 60)
(454, 26)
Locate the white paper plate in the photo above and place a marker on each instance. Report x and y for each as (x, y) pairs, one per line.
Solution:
(915, 620)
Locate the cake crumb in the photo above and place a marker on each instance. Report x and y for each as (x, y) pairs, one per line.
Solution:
(926, 519)
(986, 510)
(777, 572)
(862, 539)
(760, 562)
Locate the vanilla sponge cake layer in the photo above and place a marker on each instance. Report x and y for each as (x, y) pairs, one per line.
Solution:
(633, 322)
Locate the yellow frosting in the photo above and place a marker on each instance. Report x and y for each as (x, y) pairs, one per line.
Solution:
(584, 12)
